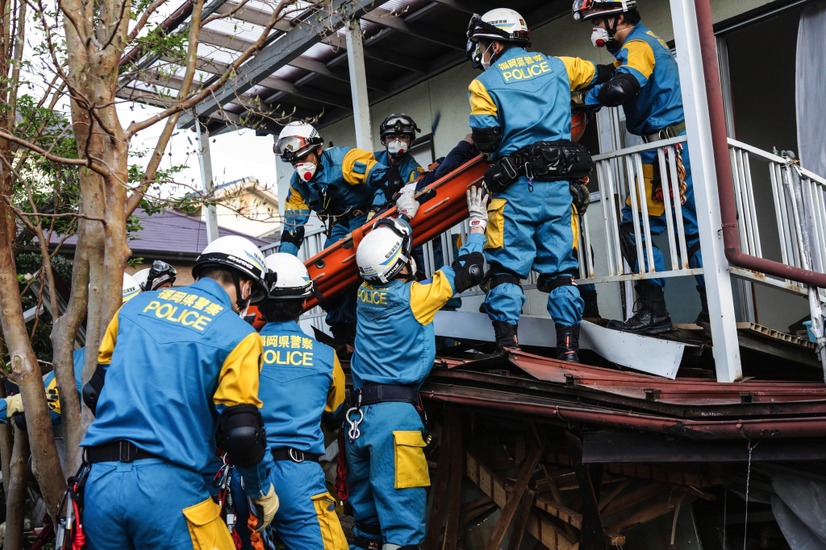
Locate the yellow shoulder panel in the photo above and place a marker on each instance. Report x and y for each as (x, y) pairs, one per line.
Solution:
(107, 345)
(580, 71)
(238, 380)
(356, 166)
(427, 299)
(640, 57)
(335, 397)
(480, 101)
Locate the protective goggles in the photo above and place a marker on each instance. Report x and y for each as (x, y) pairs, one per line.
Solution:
(292, 148)
(400, 125)
(478, 26)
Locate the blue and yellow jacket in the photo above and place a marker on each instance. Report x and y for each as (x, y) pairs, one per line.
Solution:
(346, 180)
(177, 357)
(301, 381)
(395, 339)
(659, 103)
(409, 168)
(534, 90)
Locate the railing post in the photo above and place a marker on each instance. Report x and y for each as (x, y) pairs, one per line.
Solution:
(803, 235)
(715, 265)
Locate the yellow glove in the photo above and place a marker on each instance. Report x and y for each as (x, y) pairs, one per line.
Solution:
(14, 405)
(266, 506)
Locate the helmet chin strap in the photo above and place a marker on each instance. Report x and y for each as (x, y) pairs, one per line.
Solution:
(243, 304)
(612, 31)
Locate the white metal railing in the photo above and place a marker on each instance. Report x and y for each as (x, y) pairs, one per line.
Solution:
(797, 201)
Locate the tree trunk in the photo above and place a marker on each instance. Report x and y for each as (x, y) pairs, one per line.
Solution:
(25, 372)
(15, 480)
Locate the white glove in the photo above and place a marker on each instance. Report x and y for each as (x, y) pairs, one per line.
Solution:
(407, 204)
(14, 405)
(266, 506)
(477, 206)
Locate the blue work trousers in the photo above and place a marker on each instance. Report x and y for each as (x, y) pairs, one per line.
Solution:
(529, 227)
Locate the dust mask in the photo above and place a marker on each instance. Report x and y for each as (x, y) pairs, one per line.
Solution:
(600, 37)
(397, 147)
(305, 170)
(486, 64)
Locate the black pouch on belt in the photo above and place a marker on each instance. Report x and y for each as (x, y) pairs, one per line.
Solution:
(501, 174)
(557, 160)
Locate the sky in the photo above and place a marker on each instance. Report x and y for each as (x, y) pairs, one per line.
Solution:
(235, 155)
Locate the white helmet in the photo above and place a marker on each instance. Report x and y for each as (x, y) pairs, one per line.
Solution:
(238, 254)
(296, 140)
(291, 278)
(588, 9)
(141, 277)
(384, 251)
(503, 24)
(131, 288)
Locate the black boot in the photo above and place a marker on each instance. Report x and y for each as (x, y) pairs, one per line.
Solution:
(650, 315)
(567, 343)
(702, 317)
(505, 335)
(591, 311)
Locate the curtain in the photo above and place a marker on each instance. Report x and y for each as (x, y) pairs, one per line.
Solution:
(811, 88)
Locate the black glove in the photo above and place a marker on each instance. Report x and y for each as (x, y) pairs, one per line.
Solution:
(580, 195)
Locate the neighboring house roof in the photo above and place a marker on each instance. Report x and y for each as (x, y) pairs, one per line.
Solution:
(247, 205)
(170, 234)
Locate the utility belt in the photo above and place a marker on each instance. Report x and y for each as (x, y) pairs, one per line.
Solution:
(372, 394)
(288, 453)
(115, 451)
(541, 161)
(346, 216)
(666, 133)
(383, 393)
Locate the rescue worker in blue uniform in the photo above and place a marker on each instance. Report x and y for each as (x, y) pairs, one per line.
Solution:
(302, 386)
(398, 133)
(646, 84)
(178, 373)
(13, 404)
(346, 186)
(521, 119)
(395, 350)
(160, 275)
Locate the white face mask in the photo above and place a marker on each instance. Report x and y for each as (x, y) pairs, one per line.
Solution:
(486, 64)
(397, 147)
(305, 170)
(600, 37)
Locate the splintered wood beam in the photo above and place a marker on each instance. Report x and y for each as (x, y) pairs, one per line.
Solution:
(520, 520)
(634, 498)
(606, 499)
(519, 488)
(540, 527)
(457, 456)
(650, 512)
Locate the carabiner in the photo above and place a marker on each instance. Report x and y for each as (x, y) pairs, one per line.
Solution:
(353, 433)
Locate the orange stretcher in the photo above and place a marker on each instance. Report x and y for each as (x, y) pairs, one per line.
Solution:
(443, 205)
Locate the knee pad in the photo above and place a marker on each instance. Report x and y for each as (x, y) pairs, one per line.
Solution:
(548, 283)
(498, 275)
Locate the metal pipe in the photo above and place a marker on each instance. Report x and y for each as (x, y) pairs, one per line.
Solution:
(728, 210)
(750, 429)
